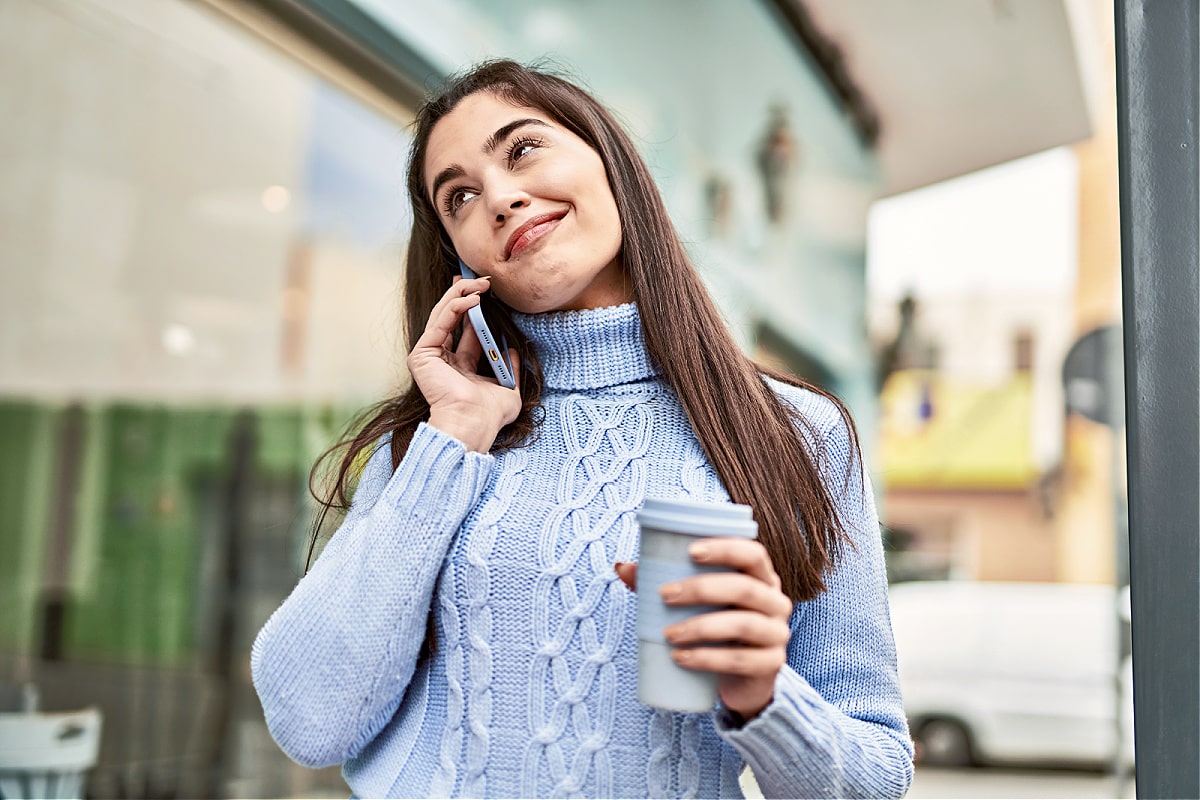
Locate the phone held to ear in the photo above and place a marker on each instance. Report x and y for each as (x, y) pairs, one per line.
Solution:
(496, 354)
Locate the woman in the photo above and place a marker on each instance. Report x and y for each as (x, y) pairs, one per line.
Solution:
(468, 630)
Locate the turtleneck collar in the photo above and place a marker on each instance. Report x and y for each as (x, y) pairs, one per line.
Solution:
(589, 349)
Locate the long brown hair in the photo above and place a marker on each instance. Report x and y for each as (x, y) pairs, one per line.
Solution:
(748, 434)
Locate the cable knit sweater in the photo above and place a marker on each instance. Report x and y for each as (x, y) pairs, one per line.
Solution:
(531, 691)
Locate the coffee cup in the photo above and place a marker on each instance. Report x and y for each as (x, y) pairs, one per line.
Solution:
(668, 529)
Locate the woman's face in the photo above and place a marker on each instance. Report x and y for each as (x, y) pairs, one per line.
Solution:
(527, 202)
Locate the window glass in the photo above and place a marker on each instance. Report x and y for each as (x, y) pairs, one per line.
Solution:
(201, 245)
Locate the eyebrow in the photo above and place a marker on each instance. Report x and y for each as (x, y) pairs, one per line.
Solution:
(504, 131)
(489, 146)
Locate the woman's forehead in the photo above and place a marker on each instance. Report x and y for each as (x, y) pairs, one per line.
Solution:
(472, 126)
(479, 114)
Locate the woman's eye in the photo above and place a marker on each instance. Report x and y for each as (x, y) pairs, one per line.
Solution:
(455, 200)
(521, 148)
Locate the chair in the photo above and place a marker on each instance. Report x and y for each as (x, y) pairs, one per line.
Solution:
(47, 755)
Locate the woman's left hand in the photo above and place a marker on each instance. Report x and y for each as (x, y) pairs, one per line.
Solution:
(755, 625)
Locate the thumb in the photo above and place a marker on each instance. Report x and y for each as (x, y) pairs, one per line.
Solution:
(627, 572)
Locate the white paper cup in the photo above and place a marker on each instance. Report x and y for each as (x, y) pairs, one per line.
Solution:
(668, 528)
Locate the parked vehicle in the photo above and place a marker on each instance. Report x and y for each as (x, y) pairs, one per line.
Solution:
(1014, 673)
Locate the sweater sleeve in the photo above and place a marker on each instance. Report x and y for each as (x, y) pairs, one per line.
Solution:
(836, 726)
(331, 665)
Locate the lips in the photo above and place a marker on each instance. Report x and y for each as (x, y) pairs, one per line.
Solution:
(531, 230)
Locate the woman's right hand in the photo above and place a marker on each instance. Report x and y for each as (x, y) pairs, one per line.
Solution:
(470, 407)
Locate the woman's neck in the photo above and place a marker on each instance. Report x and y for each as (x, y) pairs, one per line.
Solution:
(590, 349)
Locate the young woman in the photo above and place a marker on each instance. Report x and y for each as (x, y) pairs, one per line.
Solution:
(469, 630)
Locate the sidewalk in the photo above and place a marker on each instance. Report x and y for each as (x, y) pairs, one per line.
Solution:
(964, 784)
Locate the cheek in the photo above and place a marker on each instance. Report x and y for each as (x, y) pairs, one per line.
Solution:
(609, 224)
(601, 199)
(471, 249)
(614, 221)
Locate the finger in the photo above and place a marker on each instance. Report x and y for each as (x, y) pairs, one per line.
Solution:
(627, 572)
(458, 289)
(746, 627)
(461, 288)
(744, 555)
(469, 351)
(735, 589)
(444, 318)
(743, 661)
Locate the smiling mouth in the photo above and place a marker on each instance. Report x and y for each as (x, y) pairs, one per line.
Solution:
(532, 230)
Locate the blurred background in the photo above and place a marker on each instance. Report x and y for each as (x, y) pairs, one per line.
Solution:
(201, 246)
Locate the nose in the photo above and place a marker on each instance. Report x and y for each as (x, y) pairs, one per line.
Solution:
(506, 200)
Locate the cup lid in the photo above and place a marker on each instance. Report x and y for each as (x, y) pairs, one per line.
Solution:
(699, 518)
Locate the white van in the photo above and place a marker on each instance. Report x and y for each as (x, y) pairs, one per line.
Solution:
(1013, 672)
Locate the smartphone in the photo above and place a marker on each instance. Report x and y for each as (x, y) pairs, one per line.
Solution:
(496, 354)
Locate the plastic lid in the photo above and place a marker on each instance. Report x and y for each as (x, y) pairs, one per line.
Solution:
(699, 519)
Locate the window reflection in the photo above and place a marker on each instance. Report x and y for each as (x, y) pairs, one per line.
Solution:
(201, 256)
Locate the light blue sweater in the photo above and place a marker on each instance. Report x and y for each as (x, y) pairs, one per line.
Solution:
(531, 691)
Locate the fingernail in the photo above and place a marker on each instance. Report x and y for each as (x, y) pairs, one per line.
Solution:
(699, 551)
(669, 592)
(672, 634)
(681, 654)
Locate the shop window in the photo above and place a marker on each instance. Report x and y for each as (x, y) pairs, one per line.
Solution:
(201, 273)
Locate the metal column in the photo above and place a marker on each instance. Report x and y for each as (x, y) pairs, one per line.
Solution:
(1158, 97)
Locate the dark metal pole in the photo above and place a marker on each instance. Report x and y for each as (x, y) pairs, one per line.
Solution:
(1158, 97)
